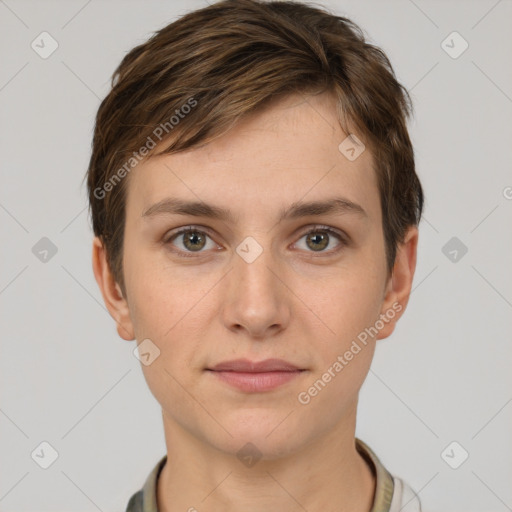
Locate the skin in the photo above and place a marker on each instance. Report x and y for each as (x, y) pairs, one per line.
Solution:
(293, 302)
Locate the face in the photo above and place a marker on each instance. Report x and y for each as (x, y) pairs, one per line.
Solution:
(265, 243)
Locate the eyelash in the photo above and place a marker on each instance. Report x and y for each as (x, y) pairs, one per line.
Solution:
(190, 254)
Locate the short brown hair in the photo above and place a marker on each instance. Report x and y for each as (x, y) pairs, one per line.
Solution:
(230, 59)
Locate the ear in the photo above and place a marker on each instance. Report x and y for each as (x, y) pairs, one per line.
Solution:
(398, 287)
(111, 291)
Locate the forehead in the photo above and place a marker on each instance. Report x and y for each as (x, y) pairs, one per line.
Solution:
(293, 150)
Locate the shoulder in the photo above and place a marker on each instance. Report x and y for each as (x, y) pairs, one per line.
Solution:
(392, 494)
(404, 498)
(135, 503)
(145, 500)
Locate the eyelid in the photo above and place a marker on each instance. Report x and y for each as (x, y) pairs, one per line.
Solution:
(169, 237)
(321, 227)
(178, 231)
(343, 238)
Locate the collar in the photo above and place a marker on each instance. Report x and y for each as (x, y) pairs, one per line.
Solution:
(384, 488)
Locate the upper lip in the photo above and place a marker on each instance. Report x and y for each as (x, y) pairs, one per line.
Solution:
(247, 366)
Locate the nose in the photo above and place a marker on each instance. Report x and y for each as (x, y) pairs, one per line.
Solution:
(256, 300)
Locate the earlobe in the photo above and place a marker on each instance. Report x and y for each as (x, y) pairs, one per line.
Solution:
(111, 291)
(399, 285)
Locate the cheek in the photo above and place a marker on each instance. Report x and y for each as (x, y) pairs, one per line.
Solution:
(150, 311)
(155, 301)
(344, 358)
(344, 304)
(169, 311)
(348, 306)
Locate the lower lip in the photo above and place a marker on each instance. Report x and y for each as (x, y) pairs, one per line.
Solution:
(256, 382)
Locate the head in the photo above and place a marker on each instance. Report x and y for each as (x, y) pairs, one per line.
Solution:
(244, 108)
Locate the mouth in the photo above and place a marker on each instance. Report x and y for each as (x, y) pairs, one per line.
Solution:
(255, 377)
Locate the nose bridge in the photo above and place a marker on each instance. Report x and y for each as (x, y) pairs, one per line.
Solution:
(256, 296)
(252, 264)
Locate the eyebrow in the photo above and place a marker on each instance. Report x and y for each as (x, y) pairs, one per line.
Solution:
(175, 206)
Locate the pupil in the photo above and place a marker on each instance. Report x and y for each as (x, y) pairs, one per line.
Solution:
(319, 241)
(193, 240)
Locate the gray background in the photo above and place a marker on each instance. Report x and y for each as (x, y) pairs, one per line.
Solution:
(66, 377)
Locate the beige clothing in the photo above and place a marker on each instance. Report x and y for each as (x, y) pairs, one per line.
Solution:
(391, 493)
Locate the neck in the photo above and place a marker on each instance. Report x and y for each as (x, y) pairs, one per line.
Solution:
(326, 475)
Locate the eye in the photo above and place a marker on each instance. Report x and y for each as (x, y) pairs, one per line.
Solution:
(190, 239)
(320, 237)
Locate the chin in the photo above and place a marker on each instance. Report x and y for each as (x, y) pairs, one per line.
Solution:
(269, 436)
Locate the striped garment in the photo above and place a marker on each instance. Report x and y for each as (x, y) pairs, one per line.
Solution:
(391, 493)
